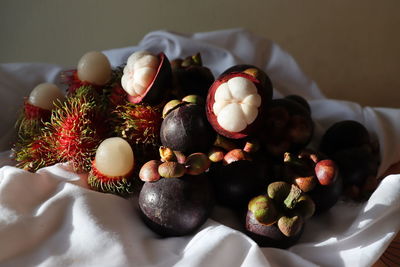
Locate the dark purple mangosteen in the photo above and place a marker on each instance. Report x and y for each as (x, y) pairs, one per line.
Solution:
(277, 218)
(349, 144)
(191, 77)
(186, 129)
(269, 235)
(288, 127)
(318, 177)
(176, 206)
(237, 182)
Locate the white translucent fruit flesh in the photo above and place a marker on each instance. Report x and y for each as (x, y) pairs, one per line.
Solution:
(139, 72)
(236, 104)
(114, 157)
(44, 96)
(94, 67)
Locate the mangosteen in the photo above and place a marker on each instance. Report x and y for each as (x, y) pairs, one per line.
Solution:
(255, 71)
(349, 144)
(269, 235)
(236, 103)
(191, 77)
(301, 100)
(288, 127)
(147, 77)
(186, 129)
(319, 177)
(237, 182)
(176, 206)
(277, 218)
(343, 135)
(329, 188)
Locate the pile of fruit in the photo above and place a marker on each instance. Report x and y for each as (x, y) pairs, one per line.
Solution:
(184, 141)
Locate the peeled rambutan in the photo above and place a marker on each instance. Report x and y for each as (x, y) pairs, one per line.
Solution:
(75, 130)
(112, 167)
(140, 125)
(37, 109)
(93, 69)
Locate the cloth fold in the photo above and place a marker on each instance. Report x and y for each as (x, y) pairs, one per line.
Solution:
(49, 218)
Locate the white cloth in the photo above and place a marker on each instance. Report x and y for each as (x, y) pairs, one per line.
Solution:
(49, 218)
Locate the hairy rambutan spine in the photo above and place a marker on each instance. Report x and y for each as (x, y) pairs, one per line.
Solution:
(28, 127)
(140, 125)
(35, 154)
(74, 129)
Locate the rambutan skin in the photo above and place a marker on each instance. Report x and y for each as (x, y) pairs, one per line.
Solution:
(75, 131)
(36, 154)
(140, 125)
(119, 185)
(33, 112)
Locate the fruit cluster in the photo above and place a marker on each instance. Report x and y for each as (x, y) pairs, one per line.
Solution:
(185, 141)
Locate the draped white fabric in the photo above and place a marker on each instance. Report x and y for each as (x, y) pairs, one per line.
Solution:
(50, 218)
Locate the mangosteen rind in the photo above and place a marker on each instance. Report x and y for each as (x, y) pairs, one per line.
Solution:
(160, 87)
(251, 128)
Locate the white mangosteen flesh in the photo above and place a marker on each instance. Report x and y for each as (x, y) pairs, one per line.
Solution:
(236, 104)
(94, 67)
(139, 72)
(44, 96)
(114, 157)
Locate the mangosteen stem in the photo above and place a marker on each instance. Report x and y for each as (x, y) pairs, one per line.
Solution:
(289, 158)
(293, 197)
(197, 59)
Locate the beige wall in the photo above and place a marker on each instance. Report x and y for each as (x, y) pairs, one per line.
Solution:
(350, 47)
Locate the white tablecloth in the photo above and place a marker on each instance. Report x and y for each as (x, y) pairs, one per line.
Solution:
(49, 218)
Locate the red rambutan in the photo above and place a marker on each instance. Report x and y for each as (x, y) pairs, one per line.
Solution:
(36, 111)
(36, 154)
(140, 125)
(74, 131)
(112, 167)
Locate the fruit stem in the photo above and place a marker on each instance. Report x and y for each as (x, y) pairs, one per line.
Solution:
(293, 197)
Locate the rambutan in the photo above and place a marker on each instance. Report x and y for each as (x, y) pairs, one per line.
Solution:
(140, 125)
(36, 111)
(30, 122)
(72, 82)
(93, 69)
(75, 130)
(112, 167)
(35, 154)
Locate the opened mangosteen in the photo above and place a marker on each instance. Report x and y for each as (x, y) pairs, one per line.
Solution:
(255, 71)
(277, 218)
(288, 127)
(147, 77)
(236, 103)
(349, 144)
(176, 206)
(185, 128)
(191, 77)
(317, 176)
